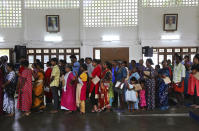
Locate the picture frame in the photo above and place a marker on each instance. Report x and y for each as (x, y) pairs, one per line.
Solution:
(52, 23)
(170, 22)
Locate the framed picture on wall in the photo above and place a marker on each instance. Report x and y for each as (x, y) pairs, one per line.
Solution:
(170, 22)
(52, 23)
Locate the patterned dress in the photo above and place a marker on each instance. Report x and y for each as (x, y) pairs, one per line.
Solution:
(104, 99)
(24, 102)
(163, 88)
(150, 89)
(142, 98)
(8, 101)
(38, 92)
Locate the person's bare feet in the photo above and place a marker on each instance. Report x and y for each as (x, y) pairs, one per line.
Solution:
(53, 111)
(10, 115)
(27, 113)
(68, 112)
(82, 113)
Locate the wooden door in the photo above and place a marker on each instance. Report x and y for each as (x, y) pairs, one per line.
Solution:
(110, 54)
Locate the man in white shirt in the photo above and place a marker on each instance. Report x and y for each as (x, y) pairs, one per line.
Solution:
(178, 79)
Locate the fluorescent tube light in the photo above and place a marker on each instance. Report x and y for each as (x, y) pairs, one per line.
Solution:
(170, 37)
(110, 38)
(50, 38)
(1, 39)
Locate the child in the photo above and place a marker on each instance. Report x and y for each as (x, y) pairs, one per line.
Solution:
(142, 96)
(137, 76)
(131, 94)
(81, 95)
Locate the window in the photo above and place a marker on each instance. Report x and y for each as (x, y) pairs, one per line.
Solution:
(51, 4)
(46, 54)
(165, 53)
(110, 13)
(5, 52)
(10, 14)
(169, 3)
(154, 59)
(97, 53)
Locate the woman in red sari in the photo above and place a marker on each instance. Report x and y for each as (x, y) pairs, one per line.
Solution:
(94, 88)
(193, 83)
(24, 102)
(48, 94)
(104, 87)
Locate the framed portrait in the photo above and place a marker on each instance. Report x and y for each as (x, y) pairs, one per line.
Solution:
(52, 23)
(170, 22)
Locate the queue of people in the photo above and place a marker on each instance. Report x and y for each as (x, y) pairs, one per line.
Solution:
(104, 85)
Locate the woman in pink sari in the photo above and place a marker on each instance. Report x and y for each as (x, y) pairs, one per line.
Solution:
(24, 102)
(68, 98)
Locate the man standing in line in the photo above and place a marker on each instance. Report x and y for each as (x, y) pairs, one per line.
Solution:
(55, 77)
(178, 79)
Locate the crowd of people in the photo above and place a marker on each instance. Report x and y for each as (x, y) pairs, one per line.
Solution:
(105, 85)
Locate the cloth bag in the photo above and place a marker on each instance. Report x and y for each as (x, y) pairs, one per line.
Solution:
(131, 96)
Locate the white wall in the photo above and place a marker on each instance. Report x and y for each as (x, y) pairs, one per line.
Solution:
(151, 26)
(35, 27)
(148, 32)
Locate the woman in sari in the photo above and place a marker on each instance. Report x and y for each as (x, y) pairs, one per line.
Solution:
(81, 89)
(106, 91)
(149, 74)
(48, 93)
(94, 88)
(25, 93)
(193, 83)
(162, 86)
(68, 98)
(9, 87)
(1, 89)
(38, 89)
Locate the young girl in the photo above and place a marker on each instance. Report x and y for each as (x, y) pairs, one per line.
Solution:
(81, 94)
(142, 96)
(137, 76)
(131, 94)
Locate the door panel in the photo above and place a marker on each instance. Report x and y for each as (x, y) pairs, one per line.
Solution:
(110, 54)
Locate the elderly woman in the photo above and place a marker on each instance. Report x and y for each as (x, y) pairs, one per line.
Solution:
(149, 74)
(9, 87)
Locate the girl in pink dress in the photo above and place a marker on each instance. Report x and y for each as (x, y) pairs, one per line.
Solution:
(68, 98)
(142, 96)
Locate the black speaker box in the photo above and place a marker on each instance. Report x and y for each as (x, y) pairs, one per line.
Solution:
(147, 51)
(20, 52)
